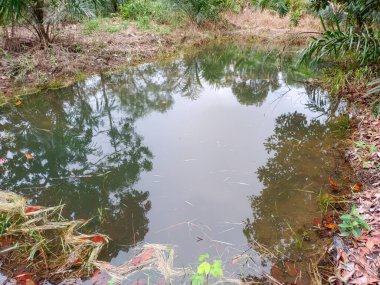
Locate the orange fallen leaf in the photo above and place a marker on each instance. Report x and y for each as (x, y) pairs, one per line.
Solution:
(333, 184)
(357, 187)
(18, 103)
(331, 226)
(28, 156)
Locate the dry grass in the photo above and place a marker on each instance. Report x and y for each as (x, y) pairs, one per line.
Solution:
(38, 242)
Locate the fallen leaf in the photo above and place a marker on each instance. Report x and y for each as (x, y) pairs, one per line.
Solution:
(28, 156)
(371, 243)
(317, 222)
(277, 273)
(2, 160)
(357, 187)
(32, 209)
(98, 239)
(329, 219)
(333, 184)
(18, 103)
(23, 278)
(291, 269)
(331, 226)
(143, 257)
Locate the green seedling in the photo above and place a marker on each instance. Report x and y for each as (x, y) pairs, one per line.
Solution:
(205, 270)
(352, 224)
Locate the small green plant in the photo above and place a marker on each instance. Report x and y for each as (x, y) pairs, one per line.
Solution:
(360, 144)
(91, 26)
(205, 270)
(352, 224)
(325, 201)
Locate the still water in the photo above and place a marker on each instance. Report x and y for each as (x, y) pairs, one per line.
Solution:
(206, 152)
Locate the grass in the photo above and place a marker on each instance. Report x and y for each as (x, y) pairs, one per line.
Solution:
(108, 25)
(41, 242)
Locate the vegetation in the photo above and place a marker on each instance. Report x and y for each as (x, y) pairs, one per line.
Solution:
(205, 270)
(352, 224)
(40, 241)
(45, 17)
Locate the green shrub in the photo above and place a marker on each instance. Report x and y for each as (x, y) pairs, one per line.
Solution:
(91, 26)
(150, 9)
(202, 10)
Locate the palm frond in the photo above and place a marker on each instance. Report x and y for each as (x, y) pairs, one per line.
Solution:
(337, 42)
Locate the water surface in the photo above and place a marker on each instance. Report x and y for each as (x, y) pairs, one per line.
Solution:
(207, 152)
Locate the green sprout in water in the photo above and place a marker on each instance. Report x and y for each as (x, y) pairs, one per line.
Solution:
(353, 224)
(205, 269)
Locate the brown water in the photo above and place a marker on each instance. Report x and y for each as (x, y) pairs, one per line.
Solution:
(207, 152)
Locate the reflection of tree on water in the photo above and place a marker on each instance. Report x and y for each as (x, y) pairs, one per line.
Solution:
(299, 162)
(250, 74)
(86, 151)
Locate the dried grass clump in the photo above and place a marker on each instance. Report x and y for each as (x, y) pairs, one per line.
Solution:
(39, 242)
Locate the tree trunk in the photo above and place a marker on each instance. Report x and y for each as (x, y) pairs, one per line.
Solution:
(42, 32)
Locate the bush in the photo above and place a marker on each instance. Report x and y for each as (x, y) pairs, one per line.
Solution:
(295, 8)
(202, 10)
(144, 9)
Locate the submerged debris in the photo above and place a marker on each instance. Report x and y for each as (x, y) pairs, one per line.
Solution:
(39, 243)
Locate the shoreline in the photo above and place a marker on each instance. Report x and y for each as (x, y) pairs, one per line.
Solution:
(79, 53)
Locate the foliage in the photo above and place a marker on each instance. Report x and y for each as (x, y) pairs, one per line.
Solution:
(202, 10)
(353, 223)
(338, 42)
(375, 89)
(149, 9)
(355, 12)
(45, 16)
(205, 270)
(295, 8)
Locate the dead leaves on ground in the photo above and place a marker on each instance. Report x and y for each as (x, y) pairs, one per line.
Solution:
(362, 260)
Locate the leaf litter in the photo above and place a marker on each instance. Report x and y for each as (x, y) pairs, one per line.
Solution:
(357, 261)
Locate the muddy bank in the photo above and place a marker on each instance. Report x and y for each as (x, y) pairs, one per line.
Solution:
(82, 50)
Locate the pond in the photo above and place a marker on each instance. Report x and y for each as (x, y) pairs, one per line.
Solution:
(207, 152)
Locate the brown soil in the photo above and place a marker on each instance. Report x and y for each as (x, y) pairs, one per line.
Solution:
(78, 53)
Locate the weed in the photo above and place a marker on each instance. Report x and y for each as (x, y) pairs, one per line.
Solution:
(91, 26)
(205, 270)
(113, 29)
(325, 201)
(143, 22)
(20, 67)
(298, 240)
(352, 224)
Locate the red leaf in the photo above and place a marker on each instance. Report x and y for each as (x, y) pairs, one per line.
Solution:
(24, 278)
(143, 257)
(317, 222)
(329, 219)
(32, 209)
(333, 184)
(98, 239)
